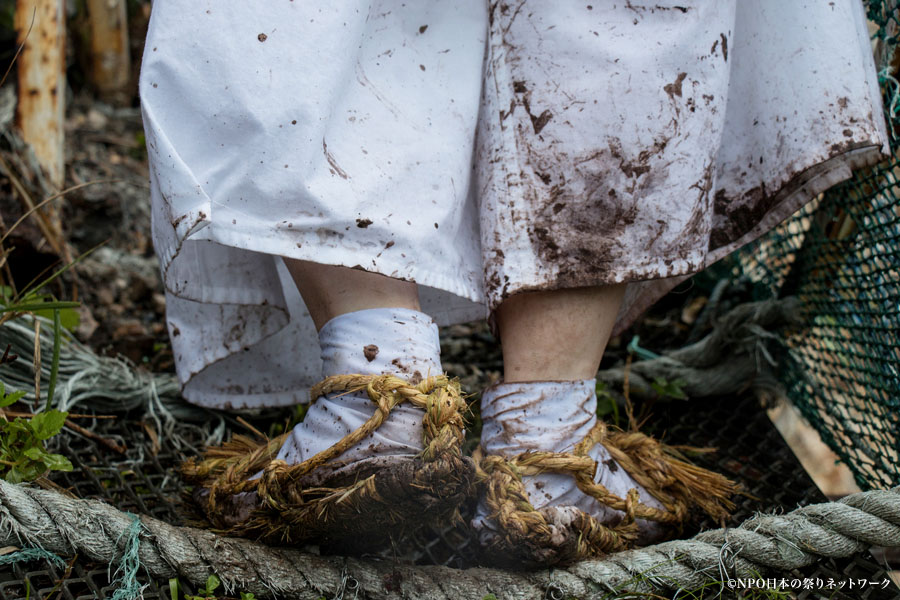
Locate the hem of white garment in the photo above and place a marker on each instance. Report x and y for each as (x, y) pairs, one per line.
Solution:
(261, 240)
(809, 184)
(244, 402)
(283, 320)
(190, 221)
(213, 399)
(656, 269)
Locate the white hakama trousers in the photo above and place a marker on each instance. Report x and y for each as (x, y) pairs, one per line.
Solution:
(480, 151)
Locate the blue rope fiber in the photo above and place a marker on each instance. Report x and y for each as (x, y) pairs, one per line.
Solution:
(642, 353)
(126, 583)
(29, 554)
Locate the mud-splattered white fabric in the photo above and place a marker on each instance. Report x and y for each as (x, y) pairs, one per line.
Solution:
(477, 150)
(378, 341)
(552, 416)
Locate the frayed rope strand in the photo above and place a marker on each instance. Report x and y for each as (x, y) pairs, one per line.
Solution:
(29, 554)
(126, 583)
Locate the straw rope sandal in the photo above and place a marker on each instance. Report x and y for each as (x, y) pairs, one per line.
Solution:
(550, 536)
(357, 505)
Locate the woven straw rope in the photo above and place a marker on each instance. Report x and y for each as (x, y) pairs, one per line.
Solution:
(227, 471)
(677, 485)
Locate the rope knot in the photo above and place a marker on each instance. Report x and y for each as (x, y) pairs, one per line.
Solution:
(676, 484)
(325, 494)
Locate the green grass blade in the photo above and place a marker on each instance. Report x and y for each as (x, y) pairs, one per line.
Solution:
(47, 281)
(39, 306)
(54, 364)
(31, 284)
(55, 196)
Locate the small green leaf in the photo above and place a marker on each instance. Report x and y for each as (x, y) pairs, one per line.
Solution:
(212, 582)
(27, 472)
(173, 589)
(248, 596)
(48, 423)
(11, 398)
(672, 389)
(35, 453)
(19, 425)
(57, 462)
(14, 476)
(22, 453)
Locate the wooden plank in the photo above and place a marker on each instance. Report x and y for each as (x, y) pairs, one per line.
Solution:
(110, 57)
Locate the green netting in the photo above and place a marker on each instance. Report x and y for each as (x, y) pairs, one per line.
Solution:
(841, 256)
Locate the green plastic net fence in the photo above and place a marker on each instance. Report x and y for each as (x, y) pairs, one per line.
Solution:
(841, 256)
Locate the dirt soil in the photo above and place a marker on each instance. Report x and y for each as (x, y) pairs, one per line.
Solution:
(118, 284)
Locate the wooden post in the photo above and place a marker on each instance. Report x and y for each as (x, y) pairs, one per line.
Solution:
(42, 82)
(41, 109)
(110, 57)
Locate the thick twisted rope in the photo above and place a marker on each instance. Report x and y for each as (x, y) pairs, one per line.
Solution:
(737, 354)
(764, 544)
(439, 396)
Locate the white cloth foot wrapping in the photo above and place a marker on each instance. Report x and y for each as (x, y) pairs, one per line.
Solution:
(552, 416)
(393, 341)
